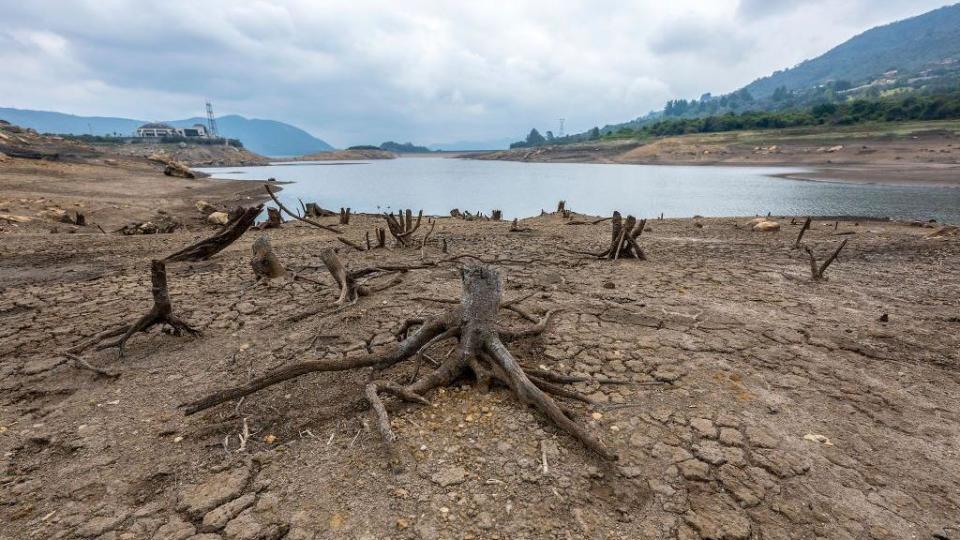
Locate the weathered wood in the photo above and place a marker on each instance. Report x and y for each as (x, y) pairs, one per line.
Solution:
(209, 247)
(160, 313)
(264, 262)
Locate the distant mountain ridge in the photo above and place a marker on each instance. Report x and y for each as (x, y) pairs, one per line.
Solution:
(265, 137)
(908, 45)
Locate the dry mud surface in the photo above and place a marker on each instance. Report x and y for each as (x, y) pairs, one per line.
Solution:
(762, 405)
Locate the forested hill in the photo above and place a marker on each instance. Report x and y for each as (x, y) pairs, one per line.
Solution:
(911, 45)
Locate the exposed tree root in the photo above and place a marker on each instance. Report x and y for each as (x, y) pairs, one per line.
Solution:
(209, 247)
(160, 313)
(481, 351)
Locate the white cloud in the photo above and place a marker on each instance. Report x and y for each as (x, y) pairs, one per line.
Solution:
(371, 70)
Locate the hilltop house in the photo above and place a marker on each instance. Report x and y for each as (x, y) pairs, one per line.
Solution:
(157, 129)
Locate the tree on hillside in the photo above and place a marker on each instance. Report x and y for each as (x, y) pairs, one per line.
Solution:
(594, 133)
(549, 136)
(535, 138)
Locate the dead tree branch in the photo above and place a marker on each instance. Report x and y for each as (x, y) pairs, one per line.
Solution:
(298, 217)
(817, 272)
(209, 247)
(806, 225)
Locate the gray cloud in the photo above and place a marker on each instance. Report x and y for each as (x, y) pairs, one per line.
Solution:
(368, 71)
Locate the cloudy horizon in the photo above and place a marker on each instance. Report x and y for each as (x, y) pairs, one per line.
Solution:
(419, 71)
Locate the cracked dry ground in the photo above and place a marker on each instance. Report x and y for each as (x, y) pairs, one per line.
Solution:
(763, 405)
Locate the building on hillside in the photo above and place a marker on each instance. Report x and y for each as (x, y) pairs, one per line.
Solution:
(158, 129)
(197, 130)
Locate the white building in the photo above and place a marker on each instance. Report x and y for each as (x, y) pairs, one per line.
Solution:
(156, 129)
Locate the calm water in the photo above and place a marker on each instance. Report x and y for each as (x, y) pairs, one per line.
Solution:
(522, 189)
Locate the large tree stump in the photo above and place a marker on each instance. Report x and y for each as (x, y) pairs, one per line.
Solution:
(481, 352)
(344, 216)
(160, 313)
(209, 247)
(402, 226)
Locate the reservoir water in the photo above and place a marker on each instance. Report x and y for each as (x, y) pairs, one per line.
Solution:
(438, 184)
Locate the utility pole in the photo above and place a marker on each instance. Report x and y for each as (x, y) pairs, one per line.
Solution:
(211, 121)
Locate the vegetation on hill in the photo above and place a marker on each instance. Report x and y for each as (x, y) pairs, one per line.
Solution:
(919, 56)
(896, 108)
(403, 148)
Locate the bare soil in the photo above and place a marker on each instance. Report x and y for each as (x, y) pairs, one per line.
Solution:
(348, 155)
(926, 153)
(761, 404)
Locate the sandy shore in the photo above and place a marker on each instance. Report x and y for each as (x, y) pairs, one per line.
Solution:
(895, 154)
(757, 403)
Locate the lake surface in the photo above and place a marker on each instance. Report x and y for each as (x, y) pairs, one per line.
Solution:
(438, 184)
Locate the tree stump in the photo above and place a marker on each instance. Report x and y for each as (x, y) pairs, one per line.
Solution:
(265, 263)
(344, 216)
(481, 352)
(623, 239)
(402, 226)
(160, 313)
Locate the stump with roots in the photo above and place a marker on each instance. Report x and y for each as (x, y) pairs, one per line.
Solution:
(623, 239)
(161, 313)
(402, 225)
(344, 216)
(481, 352)
(496, 215)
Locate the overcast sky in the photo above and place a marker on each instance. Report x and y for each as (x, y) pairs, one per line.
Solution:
(361, 71)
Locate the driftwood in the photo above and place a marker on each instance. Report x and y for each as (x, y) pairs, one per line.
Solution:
(160, 313)
(402, 226)
(209, 247)
(817, 271)
(481, 352)
(313, 210)
(806, 225)
(350, 288)
(295, 215)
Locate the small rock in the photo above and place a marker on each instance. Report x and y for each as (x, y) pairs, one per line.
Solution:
(704, 427)
(218, 218)
(450, 476)
(175, 529)
(767, 226)
(694, 469)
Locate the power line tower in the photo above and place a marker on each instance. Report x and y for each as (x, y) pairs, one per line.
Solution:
(561, 126)
(211, 121)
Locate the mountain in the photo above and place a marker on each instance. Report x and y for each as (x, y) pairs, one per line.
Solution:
(266, 137)
(908, 46)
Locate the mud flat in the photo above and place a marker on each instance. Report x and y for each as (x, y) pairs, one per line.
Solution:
(755, 402)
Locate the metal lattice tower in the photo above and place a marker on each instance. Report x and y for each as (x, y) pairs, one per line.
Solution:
(211, 121)
(562, 120)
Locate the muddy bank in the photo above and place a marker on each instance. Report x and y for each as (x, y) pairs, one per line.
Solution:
(906, 154)
(756, 403)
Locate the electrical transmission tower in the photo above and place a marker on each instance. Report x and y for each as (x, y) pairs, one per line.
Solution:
(561, 126)
(211, 121)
